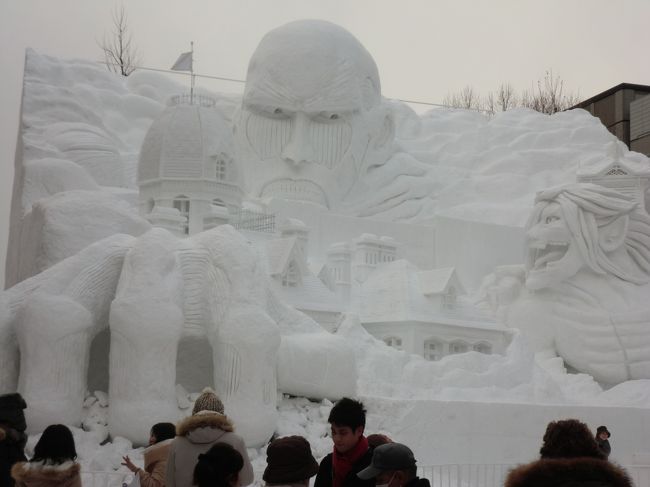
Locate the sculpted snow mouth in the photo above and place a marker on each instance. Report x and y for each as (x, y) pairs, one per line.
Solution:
(544, 254)
(295, 189)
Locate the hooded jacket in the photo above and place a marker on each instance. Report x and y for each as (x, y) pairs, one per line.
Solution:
(195, 435)
(569, 472)
(155, 464)
(39, 474)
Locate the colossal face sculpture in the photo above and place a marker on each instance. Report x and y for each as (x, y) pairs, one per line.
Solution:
(584, 226)
(312, 114)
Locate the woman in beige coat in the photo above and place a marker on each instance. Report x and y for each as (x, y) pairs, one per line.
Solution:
(155, 456)
(53, 463)
(195, 435)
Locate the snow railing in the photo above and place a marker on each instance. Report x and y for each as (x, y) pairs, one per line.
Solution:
(493, 475)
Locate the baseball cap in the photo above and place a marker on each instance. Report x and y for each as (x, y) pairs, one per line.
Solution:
(391, 456)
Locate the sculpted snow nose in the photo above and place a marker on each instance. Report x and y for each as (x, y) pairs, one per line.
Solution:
(298, 150)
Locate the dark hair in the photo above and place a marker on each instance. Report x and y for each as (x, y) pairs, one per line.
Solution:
(569, 438)
(56, 445)
(163, 431)
(218, 466)
(377, 439)
(348, 412)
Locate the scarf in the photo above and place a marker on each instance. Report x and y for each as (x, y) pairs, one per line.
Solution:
(342, 463)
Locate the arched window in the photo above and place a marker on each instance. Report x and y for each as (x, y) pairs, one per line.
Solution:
(182, 204)
(220, 167)
(433, 349)
(292, 276)
(482, 347)
(150, 204)
(458, 346)
(394, 342)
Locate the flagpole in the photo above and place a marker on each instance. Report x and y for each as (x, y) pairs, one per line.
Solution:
(192, 73)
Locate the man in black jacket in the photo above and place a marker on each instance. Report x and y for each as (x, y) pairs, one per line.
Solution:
(393, 465)
(12, 435)
(351, 451)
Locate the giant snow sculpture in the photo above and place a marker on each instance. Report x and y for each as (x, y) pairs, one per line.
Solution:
(312, 117)
(152, 292)
(586, 281)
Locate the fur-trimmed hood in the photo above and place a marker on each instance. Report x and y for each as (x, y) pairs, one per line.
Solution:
(569, 472)
(204, 419)
(39, 474)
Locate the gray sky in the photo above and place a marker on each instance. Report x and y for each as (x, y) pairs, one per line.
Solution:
(423, 48)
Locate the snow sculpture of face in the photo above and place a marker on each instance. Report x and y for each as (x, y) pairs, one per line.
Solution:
(311, 115)
(583, 226)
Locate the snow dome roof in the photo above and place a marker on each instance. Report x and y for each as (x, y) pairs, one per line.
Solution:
(183, 139)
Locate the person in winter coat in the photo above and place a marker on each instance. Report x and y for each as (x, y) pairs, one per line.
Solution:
(393, 465)
(218, 467)
(351, 452)
(602, 439)
(53, 463)
(207, 426)
(289, 462)
(12, 435)
(155, 456)
(570, 457)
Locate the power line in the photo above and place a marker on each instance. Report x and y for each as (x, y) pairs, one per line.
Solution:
(234, 80)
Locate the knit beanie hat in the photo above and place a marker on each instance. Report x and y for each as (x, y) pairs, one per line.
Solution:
(208, 401)
(289, 460)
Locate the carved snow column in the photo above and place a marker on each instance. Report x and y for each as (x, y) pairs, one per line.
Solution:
(244, 338)
(146, 321)
(369, 252)
(338, 263)
(245, 350)
(54, 336)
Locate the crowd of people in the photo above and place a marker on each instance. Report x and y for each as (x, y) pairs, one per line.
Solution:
(203, 450)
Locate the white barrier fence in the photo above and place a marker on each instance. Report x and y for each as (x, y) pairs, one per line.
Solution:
(492, 475)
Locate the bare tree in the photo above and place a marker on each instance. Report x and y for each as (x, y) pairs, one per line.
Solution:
(549, 97)
(466, 98)
(120, 55)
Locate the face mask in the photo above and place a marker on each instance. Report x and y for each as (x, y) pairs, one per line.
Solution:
(387, 483)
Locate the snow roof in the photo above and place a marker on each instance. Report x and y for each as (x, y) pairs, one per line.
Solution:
(437, 281)
(278, 254)
(394, 293)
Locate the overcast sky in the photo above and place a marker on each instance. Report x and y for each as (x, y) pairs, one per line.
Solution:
(424, 48)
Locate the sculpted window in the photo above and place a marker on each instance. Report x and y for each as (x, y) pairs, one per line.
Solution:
(182, 204)
(458, 346)
(433, 350)
(394, 342)
(292, 276)
(482, 347)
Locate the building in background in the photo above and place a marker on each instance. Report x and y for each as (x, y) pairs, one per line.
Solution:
(625, 111)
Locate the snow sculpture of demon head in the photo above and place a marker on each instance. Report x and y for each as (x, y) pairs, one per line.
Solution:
(312, 116)
(588, 266)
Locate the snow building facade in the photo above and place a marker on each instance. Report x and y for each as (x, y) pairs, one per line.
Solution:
(186, 177)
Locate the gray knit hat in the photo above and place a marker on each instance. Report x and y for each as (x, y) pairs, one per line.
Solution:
(208, 401)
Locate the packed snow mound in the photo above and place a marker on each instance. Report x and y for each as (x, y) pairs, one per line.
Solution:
(49, 176)
(63, 224)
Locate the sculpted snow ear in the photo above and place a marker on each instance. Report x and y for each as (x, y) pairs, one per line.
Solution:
(612, 235)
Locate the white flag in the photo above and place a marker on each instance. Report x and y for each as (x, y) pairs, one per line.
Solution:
(183, 63)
